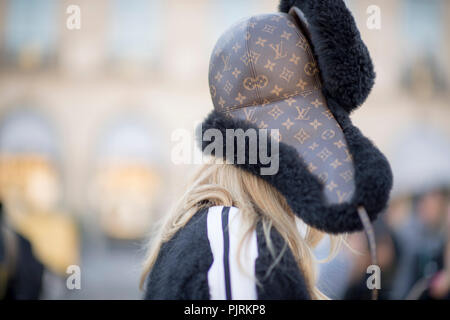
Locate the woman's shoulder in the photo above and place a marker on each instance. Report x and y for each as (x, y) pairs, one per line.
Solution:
(195, 262)
(180, 271)
(283, 280)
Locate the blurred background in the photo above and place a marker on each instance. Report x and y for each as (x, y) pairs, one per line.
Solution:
(86, 123)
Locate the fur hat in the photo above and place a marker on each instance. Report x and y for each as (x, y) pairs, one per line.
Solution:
(302, 71)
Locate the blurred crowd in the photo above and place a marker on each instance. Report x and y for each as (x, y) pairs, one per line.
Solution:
(413, 250)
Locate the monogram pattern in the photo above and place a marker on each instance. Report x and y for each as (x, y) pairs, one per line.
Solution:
(263, 70)
(251, 83)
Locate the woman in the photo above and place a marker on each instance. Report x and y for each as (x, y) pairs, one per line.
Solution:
(257, 211)
(243, 232)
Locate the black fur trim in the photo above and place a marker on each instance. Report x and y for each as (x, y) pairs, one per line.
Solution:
(171, 280)
(304, 192)
(346, 67)
(284, 282)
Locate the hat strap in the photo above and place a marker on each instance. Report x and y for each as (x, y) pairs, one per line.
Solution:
(368, 229)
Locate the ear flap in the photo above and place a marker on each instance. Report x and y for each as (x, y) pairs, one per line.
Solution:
(302, 190)
(344, 61)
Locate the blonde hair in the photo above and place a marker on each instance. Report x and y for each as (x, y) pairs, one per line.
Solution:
(226, 185)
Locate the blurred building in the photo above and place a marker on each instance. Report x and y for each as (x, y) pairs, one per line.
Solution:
(87, 115)
(410, 101)
(112, 90)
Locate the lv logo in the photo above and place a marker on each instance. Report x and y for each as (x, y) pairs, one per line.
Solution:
(303, 113)
(250, 115)
(341, 196)
(278, 49)
(226, 62)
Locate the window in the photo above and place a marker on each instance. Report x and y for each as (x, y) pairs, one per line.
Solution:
(127, 177)
(27, 132)
(422, 25)
(30, 33)
(423, 30)
(135, 31)
(129, 138)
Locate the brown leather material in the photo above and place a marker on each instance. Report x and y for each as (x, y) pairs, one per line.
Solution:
(263, 70)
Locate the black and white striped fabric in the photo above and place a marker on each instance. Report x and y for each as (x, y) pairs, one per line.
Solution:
(203, 261)
(227, 279)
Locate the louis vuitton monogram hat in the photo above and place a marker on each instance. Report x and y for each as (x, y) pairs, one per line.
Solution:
(302, 71)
